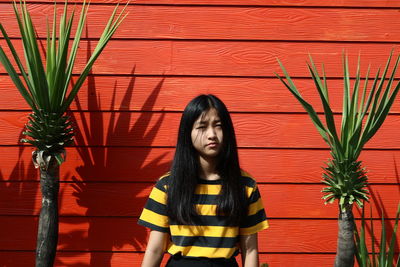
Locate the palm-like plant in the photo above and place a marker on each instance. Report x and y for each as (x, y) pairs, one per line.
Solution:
(45, 89)
(362, 116)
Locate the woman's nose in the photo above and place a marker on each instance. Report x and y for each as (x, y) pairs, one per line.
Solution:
(211, 134)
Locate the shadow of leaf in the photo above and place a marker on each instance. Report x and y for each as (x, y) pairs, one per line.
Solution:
(19, 191)
(377, 200)
(106, 200)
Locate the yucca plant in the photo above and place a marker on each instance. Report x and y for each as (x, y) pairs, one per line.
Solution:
(386, 255)
(362, 116)
(45, 89)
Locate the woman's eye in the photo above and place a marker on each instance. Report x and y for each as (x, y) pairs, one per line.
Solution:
(218, 125)
(201, 127)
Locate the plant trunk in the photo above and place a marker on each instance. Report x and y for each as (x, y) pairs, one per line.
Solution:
(48, 220)
(345, 245)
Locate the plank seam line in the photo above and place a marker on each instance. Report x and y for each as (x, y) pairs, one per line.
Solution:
(230, 6)
(151, 182)
(178, 39)
(3, 74)
(136, 217)
(142, 251)
(166, 111)
(172, 147)
(203, 76)
(269, 253)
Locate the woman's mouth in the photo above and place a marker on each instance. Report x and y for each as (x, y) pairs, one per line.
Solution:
(211, 145)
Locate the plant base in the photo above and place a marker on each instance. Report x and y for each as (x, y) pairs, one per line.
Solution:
(48, 220)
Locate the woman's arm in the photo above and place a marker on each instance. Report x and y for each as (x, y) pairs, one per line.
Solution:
(249, 248)
(155, 249)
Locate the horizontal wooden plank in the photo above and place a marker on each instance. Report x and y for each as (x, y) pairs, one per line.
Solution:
(128, 259)
(255, 23)
(124, 54)
(22, 259)
(99, 164)
(156, 94)
(304, 3)
(78, 258)
(228, 58)
(128, 199)
(123, 234)
(18, 258)
(158, 129)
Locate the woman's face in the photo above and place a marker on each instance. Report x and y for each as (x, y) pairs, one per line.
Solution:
(207, 134)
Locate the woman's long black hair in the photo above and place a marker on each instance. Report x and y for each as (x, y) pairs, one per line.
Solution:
(185, 167)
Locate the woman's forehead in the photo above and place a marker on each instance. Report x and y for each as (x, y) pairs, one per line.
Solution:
(211, 114)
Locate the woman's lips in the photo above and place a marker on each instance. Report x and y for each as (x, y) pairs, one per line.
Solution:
(211, 145)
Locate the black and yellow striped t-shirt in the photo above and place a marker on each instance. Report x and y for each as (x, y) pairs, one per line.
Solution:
(212, 237)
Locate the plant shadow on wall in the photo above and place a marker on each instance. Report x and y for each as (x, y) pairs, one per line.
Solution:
(383, 249)
(18, 191)
(110, 202)
(383, 211)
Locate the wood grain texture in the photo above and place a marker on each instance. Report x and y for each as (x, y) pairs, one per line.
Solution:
(228, 58)
(131, 93)
(96, 234)
(144, 164)
(167, 52)
(302, 3)
(128, 259)
(159, 129)
(128, 199)
(226, 23)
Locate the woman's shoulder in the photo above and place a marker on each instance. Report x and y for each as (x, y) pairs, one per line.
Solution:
(164, 177)
(247, 179)
(162, 181)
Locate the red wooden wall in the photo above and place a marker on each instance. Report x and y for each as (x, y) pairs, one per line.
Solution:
(164, 54)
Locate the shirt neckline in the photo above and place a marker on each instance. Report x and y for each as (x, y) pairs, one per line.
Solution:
(202, 181)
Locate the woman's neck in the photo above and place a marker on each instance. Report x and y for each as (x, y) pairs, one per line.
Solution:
(208, 169)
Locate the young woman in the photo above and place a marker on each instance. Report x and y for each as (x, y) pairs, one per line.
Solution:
(205, 209)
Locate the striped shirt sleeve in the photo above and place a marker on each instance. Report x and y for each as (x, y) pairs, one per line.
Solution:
(256, 219)
(154, 214)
